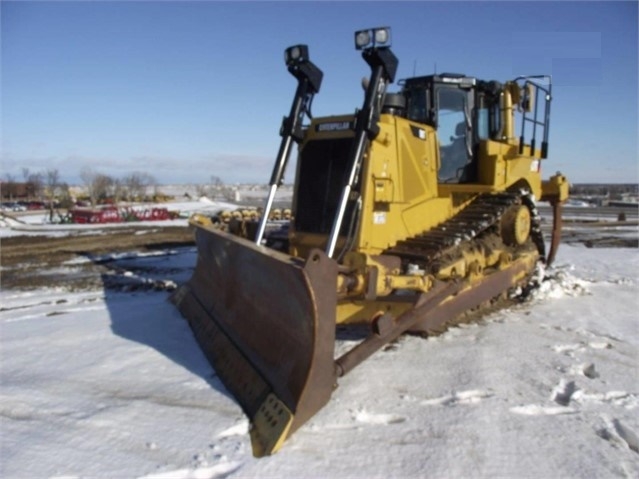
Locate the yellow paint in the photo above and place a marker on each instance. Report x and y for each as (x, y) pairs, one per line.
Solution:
(270, 426)
(401, 198)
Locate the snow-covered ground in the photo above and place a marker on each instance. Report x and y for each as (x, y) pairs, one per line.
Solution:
(112, 384)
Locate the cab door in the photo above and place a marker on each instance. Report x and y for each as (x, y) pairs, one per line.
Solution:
(454, 105)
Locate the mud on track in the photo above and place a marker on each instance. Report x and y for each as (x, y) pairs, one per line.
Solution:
(72, 261)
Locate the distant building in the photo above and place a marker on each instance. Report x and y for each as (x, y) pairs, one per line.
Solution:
(14, 190)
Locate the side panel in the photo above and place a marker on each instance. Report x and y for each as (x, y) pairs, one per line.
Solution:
(400, 185)
(499, 167)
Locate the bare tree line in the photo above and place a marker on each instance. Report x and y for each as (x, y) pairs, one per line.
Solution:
(35, 185)
(215, 189)
(47, 185)
(131, 187)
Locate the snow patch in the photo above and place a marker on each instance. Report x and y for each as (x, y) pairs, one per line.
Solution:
(218, 471)
(537, 410)
(472, 396)
(560, 282)
(371, 418)
(240, 429)
(616, 398)
(112, 384)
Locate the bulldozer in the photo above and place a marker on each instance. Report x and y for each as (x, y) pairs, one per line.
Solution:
(407, 214)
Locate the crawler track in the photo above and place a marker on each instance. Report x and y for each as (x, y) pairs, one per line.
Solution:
(480, 216)
(478, 223)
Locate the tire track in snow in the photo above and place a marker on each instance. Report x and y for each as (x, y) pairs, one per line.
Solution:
(617, 433)
(42, 309)
(573, 399)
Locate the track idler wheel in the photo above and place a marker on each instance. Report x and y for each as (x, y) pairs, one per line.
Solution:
(516, 225)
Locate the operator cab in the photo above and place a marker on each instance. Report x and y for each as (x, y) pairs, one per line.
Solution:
(463, 110)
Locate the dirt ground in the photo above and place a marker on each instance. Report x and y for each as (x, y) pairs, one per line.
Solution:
(26, 260)
(74, 261)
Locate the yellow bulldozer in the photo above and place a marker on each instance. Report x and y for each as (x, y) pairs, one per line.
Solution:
(414, 210)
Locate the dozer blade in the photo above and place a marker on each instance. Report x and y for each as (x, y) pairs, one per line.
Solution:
(266, 322)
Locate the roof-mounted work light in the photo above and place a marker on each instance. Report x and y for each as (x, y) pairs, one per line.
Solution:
(373, 38)
(301, 67)
(296, 54)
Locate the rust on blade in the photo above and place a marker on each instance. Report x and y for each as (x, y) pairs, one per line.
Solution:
(266, 322)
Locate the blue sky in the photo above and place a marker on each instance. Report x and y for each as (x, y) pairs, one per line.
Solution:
(190, 90)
